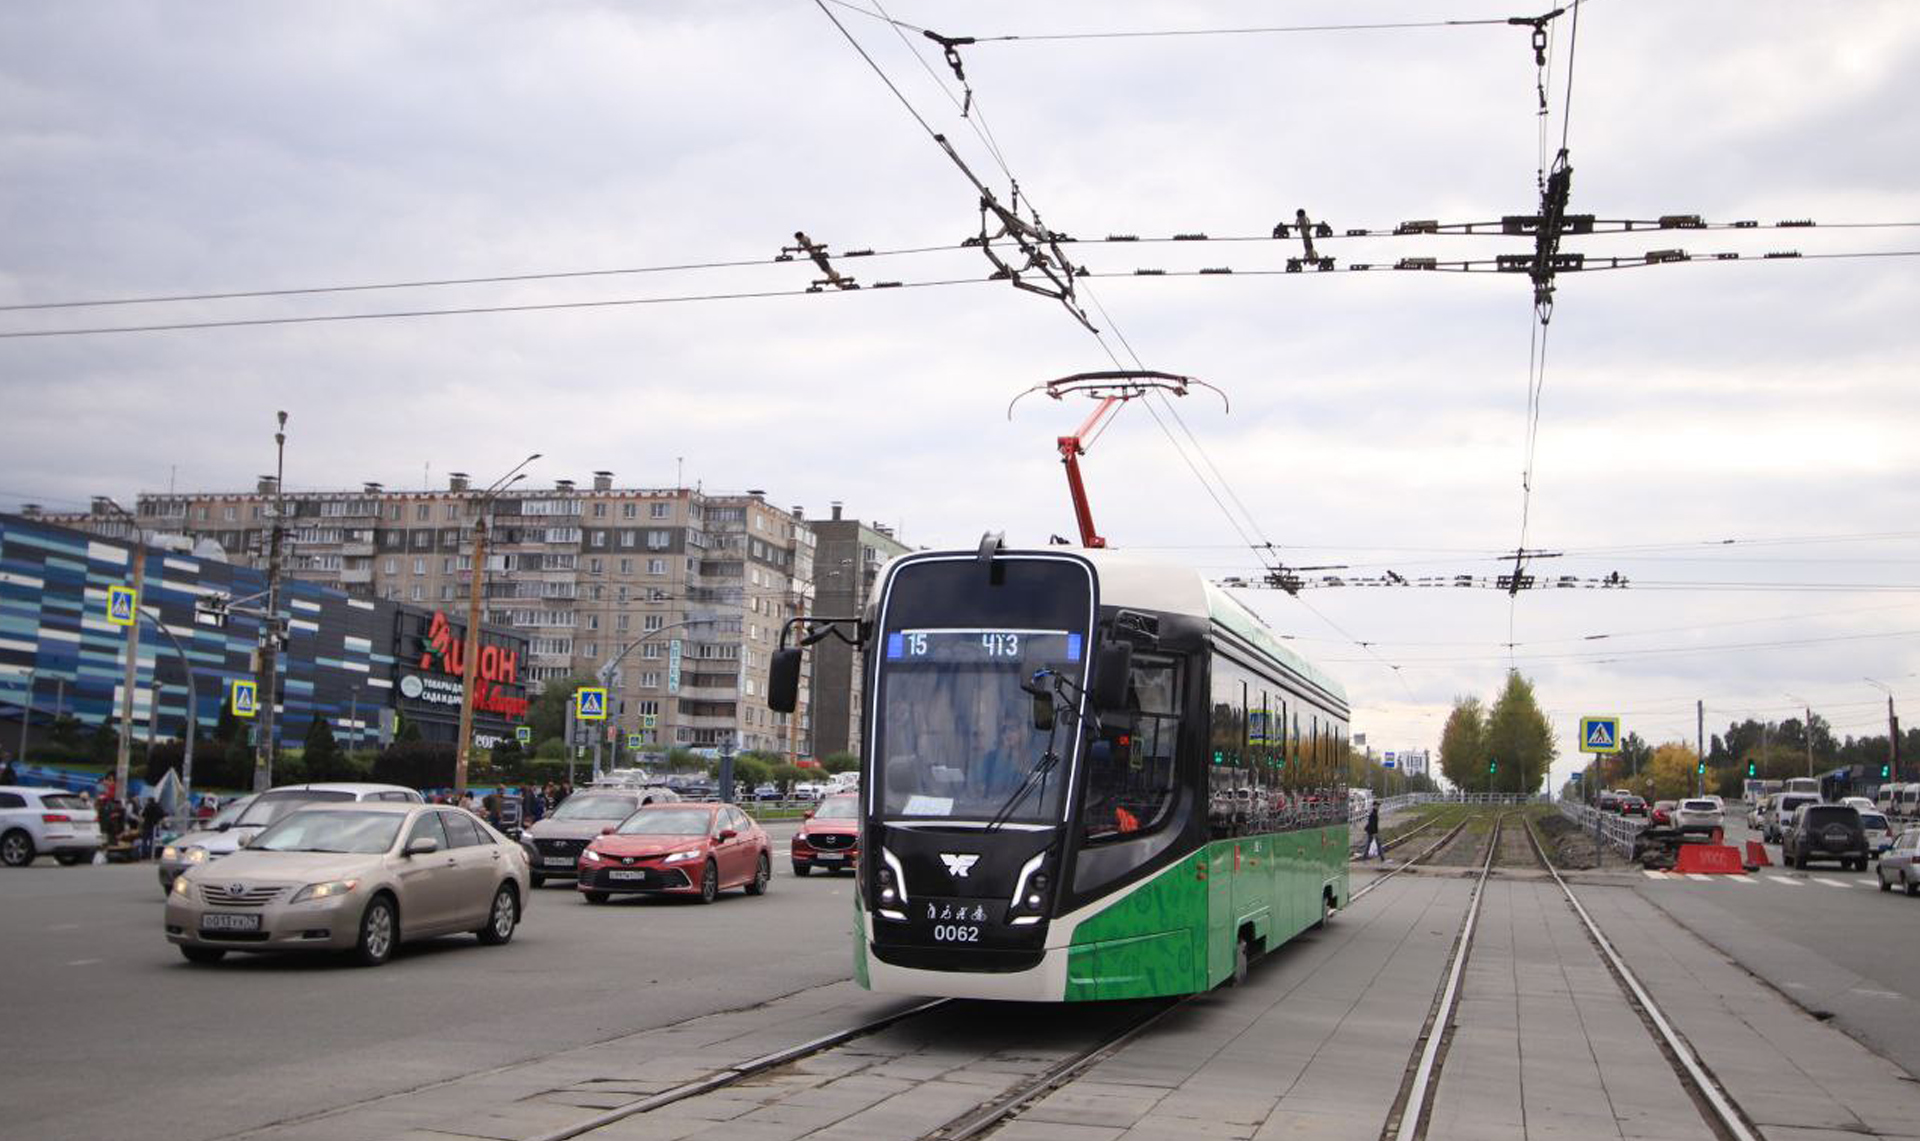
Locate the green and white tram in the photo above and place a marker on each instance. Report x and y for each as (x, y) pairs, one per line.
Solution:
(1085, 776)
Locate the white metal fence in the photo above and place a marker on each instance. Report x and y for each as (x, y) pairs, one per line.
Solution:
(1616, 832)
(1409, 799)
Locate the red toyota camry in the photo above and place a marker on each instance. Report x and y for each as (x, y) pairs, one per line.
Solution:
(830, 838)
(678, 849)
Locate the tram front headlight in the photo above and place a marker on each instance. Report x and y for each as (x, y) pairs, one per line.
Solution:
(1036, 896)
(889, 887)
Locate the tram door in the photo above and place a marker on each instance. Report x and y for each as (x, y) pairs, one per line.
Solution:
(1228, 737)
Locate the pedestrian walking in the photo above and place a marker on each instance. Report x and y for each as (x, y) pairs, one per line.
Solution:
(7, 775)
(150, 819)
(1373, 834)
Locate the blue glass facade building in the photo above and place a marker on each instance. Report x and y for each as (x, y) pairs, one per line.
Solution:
(342, 660)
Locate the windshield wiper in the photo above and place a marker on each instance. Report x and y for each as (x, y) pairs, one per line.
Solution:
(1047, 761)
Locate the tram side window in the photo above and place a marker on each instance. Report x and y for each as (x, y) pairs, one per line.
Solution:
(1225, 745)
(1130, 773)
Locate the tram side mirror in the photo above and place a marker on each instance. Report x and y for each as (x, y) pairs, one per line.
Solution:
(1112, 670)
(783, 680)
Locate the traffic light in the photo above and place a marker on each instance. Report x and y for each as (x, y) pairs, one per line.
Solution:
(1700, 769)
(1493, 766)
(1752, 769)
(1886, 771)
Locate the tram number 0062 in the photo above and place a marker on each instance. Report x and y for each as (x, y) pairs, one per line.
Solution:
(955, 933)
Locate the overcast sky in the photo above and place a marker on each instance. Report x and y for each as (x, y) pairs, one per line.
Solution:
(1378, 420)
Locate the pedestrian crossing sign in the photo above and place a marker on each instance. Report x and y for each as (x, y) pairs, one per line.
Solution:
(590, 703)
(633, 740)
(523, 734)
(649, 721)
(120, 605)
(244, 698)
(1599, 734)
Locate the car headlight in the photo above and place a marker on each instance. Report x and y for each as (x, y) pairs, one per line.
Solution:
(169, 853)
(324, 890)
(590, 857)
(180, 885)
(682, 857)
(194, 854)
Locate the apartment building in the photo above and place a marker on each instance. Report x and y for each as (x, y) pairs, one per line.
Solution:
(847, 561)
(685, 588)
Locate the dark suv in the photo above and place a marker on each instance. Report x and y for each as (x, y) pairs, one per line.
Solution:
(1826, 832)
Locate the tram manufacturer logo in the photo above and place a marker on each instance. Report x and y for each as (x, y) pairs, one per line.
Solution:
(958, 865)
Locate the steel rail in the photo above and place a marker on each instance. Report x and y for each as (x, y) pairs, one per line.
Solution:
(1442, 842)
(736, 1073)
(1413, 1101)
(1726, 1115)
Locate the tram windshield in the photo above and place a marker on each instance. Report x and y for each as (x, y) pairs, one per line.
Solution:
(957, 734)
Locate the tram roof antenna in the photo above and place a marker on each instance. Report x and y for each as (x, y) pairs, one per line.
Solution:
(1112, 389)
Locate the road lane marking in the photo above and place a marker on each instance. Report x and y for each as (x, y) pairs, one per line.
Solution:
(1868, 883)
(1828, 882)
(85, 962)
(1747, 880)
(1783, 881)
(1699, 876)
(1653, 875)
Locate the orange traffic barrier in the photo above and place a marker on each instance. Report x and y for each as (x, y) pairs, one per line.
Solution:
(1757, 855)
(1711, 858)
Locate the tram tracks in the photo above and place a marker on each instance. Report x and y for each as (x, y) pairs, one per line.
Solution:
(995, 1109)
(1410, 1116)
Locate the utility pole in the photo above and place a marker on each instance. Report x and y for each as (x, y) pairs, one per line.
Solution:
(123, 754)
(1893, 733)
(1700, 740)
(267, 682)
(26, 718)
(470, 659)
(1808, 725)
(193, 701)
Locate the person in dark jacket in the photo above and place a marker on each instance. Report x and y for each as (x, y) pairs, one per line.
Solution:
(1373, 833)
(151, 817)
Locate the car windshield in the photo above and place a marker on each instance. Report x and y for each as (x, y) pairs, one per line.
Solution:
(269, 807)
(230, 813)
(1700, 806)
(1789, 803)
(668, 822)
(1874, 821)
(331, 830)
(838, 808)
(586, 806)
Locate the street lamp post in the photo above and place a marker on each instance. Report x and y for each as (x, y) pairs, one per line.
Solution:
(193, 699)
(476, 586)
(267, 682)
(123, 753)
(26, 715)
(1893, 732)
(606, 670)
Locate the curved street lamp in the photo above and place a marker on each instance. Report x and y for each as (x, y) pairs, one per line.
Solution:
(476, 586)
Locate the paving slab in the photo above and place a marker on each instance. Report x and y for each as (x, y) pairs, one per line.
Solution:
(1792, 1074)
(1544, 1044)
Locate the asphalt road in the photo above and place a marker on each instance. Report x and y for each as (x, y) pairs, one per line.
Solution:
(1830, 942)
(113, 1034)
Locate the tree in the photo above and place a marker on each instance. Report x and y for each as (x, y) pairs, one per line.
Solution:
(1519, 738)
(839, 763)
(1635, 754)
(547, 715)
(416, 764)
(1463, 745)
(322, 754)
(1671, 771)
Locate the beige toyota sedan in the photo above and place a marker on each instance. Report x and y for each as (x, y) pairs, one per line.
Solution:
(359, 878)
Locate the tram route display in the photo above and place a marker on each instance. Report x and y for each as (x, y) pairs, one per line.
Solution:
(1085, 776)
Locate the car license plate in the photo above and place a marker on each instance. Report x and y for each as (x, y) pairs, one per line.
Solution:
(558, 861)
(830, 857)
(619, 874)
(222, 922)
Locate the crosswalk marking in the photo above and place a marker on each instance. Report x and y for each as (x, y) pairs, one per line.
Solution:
(1828, 882)
(1868, 883)
(1747, 880)
(1783, 880)
(1698, 876)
